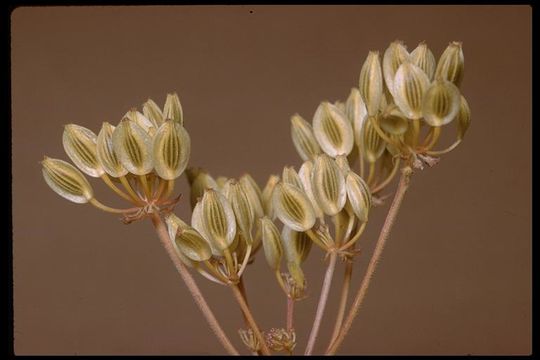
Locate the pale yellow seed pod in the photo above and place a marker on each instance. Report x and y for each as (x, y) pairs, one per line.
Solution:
(290, 176)
(243, 211)
(356, 110)
(198, 224)
(424, 59)
(463, 118)
(292, 207)
(305, 174)
(133, 146)
(441, 103)
(340, 105)
(333, 130)
(371, 82)
(141, 120)
(221, 181)
(295, 270)
(187, 240)
(372, 145)
(303, 139)
(395, 55)
(80, 145)
(153, 113)
(359, 196)
(66, 180)
(410, 85)
(200, 183)
(296, 245)
(343, 164)
(171, 150)
(328, 185)
(253, 193)
(105, 152)
(218, 219)
(267, 196)
(451, 64)
(173, 109)
(173, 223)
(393, 121)
(271, 241)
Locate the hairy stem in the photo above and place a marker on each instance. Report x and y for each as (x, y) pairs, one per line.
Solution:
(290, 313)
(343, 300)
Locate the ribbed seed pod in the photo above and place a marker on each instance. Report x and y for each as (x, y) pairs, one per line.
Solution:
(371, 82)
(253, 193)
(187, 240)
(173, 223)
(451, 64)
(463, 118)
(105, 152)
(133, 146)
(410, 85)
(424, 59)
(243, 212)
(290, 176)
(359, 196)
(332, 130)
(372, 145)
(303, 139)
(305, 174)
(328, 185)
(153, 113)
(393, 121)
(141, 120)
(171, 150)
(296, 245)
(201, 182)
(66, 180)
(80, 145)
(267, 196)
(343, 164)
(441, 103)
(221, 181)
(271, 241)
(173, 109)
(340, 105)
(218, 219)
(292, 207)
(355, 109)
(395, 55)
(295, 270)
(198, 224)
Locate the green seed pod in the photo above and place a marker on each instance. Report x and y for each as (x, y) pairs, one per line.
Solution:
(66, 180)
(141, 120)
(395, 55)
(173, 109)
(451, 64)
(295, 270)
(371, 82)
(253, 193)
(173, 223)
(290, 176)
(243, 212)
(133, 146)
(271, 241)
(198, 224)
(424, 59)
(292, 207)
(410, 85)
(305, 174)
(463, 118)
(153, 113)
(105, 152)
(359, 196)
(296, 245)
(171, 150)
(303, 139)
(333, 130)
(393, 121)
(372, 145)
(267, 196)
(187, 240)
(441, 103)
(80, 145)
(328, 185)
(218, 219)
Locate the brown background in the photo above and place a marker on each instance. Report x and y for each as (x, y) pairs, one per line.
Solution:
(455, 277)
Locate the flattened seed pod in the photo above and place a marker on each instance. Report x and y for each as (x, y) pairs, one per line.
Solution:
(290, 176)
(171, 150)
(332, 130)
(173, 109)
(218, 219)
(267, 196)
(141, 120)
(441, 103)
(187, 240)
(424, 59)
(173, 223)
(359, 196)
(355, 109)
(80, 145)
(303, 139)
(153, 113)
(410, 85)
(253, 193)
(328, 185)
(463, 118)
(296, 245)
(271, 241)
(305, 174)
(198, 224)
(371, 82)
(292, 207)
(200, 183)
(243, 211)
(105, 152)
(451, 64)
(133, 146)
(66, 180)
(372, 144)
(393, 121)
(395, 55)
(343, 164)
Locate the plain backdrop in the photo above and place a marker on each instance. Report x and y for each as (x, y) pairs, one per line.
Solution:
(455, 277)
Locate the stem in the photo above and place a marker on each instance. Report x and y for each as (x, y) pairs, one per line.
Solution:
(436, 131)
(249, 317)
(107, 180)
(322, 303)
(355, 238)
(371, 173)
(192, 286)
(383, 236)
(106, 208)
(290, 313)
(416, 131)
(448, 149)
(130, 190)
(389, 178)
(145, 186)
(170, 188)
(361, 159)
(343, 300)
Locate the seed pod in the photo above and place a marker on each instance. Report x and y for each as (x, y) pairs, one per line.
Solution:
(173, 223)
(359, 196)
(305, 174)
(343, 164)
(80, 145)
(187, 240)
(243, 212)
(173, 109)
(441, 103)
(303, 139)
(271, 243)
(292, 207)
(253, 193)
(340, 105)
(295, 270)
(198, 224)
(424, 59)
(371, 82)
(290, 176)
(451, 64)
(393, 121)
(267, 196)
(356, 111)
(221, 181)
(171, 150)
(332, 130)
(218, 219)
(372, 145)
(66, 180)
(463, 118)
(328, 185)
(141, 120)
(395, 55)
(410, 85)
(296, 245)
(153, 113)
(133, 146)
(201, 182)
(105, 152)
